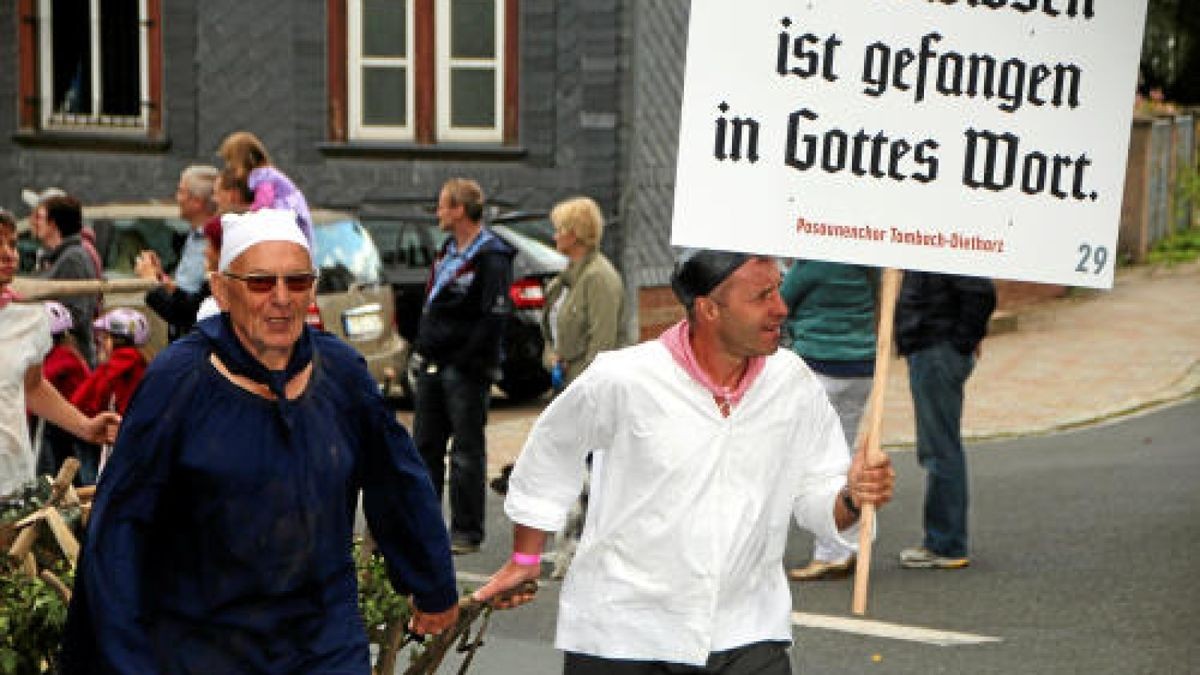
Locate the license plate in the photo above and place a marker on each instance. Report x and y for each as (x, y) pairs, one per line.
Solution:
(363, 325)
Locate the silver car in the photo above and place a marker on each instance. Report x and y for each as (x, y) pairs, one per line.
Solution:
(353, 300)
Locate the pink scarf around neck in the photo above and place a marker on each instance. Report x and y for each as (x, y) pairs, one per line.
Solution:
(676, 340)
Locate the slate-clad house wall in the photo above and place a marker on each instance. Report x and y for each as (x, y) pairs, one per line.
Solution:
(597, 113)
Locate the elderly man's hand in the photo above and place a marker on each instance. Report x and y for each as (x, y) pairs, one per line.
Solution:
(433, 623)
(871, 480)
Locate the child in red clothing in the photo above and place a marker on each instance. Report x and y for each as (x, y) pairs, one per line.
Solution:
(64, 368)
(112, 384)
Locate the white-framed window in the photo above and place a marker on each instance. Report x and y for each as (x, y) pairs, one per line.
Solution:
(470, 70)
(94, 65)
(423, 71)
(381, 77)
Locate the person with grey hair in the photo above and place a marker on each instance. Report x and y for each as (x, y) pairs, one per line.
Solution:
(710, 438)
(199, 196)
(194, 195)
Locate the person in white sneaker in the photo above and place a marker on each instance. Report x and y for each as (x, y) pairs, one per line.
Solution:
(831, 323)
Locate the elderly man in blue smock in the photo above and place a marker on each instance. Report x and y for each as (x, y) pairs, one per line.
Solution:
(711, 438)
(220, 539)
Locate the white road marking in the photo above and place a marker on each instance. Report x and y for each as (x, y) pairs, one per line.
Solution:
(893, 631)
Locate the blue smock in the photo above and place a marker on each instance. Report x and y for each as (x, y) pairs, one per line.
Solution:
(220, 537)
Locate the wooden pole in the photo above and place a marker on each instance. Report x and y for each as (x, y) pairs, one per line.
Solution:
(888, 290)
(32, 289)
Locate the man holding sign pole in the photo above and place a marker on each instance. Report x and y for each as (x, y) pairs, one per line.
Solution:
(712, 438)
(940, 321)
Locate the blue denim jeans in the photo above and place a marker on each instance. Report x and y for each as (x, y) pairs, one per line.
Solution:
(453, 405)
(936, 376)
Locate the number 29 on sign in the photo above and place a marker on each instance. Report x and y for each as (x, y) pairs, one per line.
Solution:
(1092, 259)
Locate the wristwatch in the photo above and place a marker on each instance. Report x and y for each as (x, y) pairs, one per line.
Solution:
(848, 501)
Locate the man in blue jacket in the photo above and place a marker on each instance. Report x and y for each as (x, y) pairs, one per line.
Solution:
(458, 354)
(940, 321)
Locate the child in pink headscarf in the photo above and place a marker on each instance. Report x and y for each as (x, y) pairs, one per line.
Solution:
(247, 156)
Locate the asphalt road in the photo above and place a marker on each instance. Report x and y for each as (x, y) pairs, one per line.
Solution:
(1085, 553)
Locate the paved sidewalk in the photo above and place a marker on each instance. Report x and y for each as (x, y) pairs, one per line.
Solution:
(1088, 357)
(1091, 356)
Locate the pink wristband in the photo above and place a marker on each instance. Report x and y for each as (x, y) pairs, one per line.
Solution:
(527, 559)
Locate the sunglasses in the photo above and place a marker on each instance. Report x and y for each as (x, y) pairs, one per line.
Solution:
(297, 282)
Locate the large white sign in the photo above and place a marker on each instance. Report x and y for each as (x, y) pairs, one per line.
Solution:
(981, 137)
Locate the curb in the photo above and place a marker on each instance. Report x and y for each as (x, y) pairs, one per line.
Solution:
(1184, 388)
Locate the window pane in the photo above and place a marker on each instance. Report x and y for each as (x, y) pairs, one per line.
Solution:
(385, 28)
(119, 58)
(473, 97)
(344, 255)
(72, 56)
(473, 29)
(385, 96)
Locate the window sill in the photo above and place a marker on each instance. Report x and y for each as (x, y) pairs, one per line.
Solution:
(387, 149)
(91, 140)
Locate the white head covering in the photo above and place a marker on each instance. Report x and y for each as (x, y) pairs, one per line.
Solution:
(241, 231)
(33, 198)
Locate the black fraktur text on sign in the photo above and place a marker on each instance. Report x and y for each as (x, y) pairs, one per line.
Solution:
(996, 160)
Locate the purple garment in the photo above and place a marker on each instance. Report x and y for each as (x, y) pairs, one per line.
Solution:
(274, 190)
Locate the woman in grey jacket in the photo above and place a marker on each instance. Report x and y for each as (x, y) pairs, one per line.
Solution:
(585, 304)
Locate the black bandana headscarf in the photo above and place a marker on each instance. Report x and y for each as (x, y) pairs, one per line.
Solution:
(699, 271)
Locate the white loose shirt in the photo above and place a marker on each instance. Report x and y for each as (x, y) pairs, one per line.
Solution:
(24, 341)
(682, 552)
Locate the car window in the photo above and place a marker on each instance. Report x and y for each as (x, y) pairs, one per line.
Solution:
(540, 229)
(27, 248)
(409, 244)
(121, 239)
(541, 254)
(387, 239)
(346, 256)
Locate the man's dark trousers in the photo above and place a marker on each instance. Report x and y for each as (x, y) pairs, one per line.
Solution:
(759, 658)
(453, 404)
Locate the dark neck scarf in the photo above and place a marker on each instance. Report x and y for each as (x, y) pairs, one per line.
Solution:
(239, 361)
